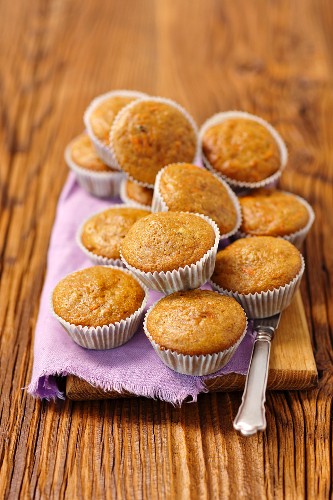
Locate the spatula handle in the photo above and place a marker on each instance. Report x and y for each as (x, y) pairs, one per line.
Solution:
(251, 414)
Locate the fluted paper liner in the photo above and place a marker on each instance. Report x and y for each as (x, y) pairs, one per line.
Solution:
(265, 304)
(241, 185)
(99, 259)
(187, 364)
(129, 201)
(297, 238)
(183, 278)
(154, 99)
(106, 336)
(159, 204)
(103, 150)
(100, 184)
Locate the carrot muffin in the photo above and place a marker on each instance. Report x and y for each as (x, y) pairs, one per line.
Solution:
(241, 149)
(97, 296)
(196, 322)
(166, 241)
(269, 212)
(255, 265)
(93, 175)
(84, 155)
(149, 134)
(171, 251)
(186, 187)
(195, 332)
(132, 192)
(102, 234)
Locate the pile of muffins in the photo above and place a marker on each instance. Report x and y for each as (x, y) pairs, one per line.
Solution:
(197, 207)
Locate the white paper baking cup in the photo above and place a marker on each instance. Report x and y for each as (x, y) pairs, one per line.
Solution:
(99, 259)
(153, 99)
(103, 150)
(100, 184)
(196, 364)
(265, 304)
(183, 278)
(241, 185)
(297, 238)
(129, 201)
(159, 204)
(106, 336)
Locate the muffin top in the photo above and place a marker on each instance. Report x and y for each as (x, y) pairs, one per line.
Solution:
(167, 240)
(84, 155)
(149, 135)
(103, 233)
(273, 213)
(139, 193)
(103, 115)
(256, 264)
(97, 296)
(241, 149)
(196, 322)
(192, 189)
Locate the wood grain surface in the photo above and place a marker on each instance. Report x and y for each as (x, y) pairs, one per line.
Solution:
(292, 365)
(273, 58)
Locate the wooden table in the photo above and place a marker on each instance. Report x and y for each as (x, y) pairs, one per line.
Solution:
(271, 58)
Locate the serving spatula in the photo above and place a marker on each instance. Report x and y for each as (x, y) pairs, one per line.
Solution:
(251, 414)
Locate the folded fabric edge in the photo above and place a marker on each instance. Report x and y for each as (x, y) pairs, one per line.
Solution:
(46, 387)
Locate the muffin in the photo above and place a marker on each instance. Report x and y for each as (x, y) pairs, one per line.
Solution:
(149, 134)
(195, 332)
(171, 251)
(186, 187)
(100, 307)
(261, 272)
(100, 236)
(84, 155)
(99, 117)
(90, 171)
(269, 212)
(242, 148)
(136, 195)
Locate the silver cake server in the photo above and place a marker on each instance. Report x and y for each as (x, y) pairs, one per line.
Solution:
(251, 414)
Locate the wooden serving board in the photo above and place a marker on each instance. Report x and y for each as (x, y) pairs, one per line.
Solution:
(292, 365)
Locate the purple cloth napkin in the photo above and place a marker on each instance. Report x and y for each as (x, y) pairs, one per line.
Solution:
(133, 367)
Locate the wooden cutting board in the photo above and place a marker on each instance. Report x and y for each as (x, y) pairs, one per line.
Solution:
(292, 365)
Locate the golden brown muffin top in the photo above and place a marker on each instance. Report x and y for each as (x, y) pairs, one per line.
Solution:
(273, 213)
(190, 188)
(103, 233)
(256, 264)
(103, 115)
(97, 296)
(167, 240)
(241, 149)
(139, 193)
(150, 135)
(84, 155)
(196, 322)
